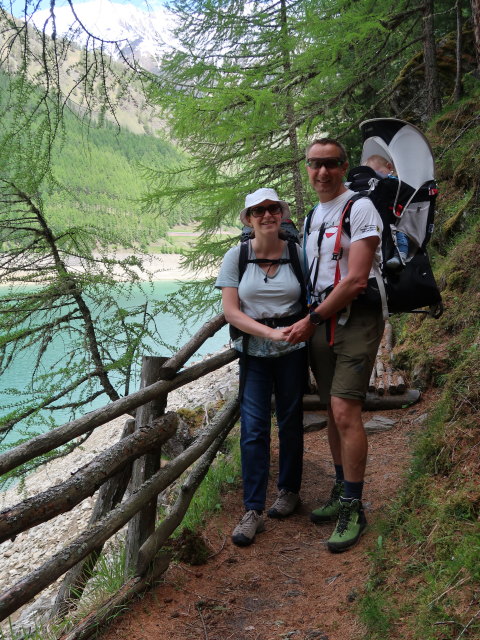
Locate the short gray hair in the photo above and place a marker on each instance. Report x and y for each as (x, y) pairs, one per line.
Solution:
(325, 141)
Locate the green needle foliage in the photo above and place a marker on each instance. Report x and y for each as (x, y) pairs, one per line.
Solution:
(249, 84)
(70, 193)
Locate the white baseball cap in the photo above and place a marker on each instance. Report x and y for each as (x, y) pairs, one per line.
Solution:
(260, 195)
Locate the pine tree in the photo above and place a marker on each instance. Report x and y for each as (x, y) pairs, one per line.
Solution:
(57, 280)
(250, 83)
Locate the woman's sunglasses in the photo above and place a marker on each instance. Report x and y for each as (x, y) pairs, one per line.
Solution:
(258, 212)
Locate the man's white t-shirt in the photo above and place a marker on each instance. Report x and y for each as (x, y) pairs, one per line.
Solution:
(365, 222)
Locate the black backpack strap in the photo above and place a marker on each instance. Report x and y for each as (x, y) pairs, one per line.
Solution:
(297, 270)
(308, 221)
(312, 283)
(234, 332)
(432, 197)
(242, 258)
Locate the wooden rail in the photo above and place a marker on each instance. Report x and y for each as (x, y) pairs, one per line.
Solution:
(111, 470)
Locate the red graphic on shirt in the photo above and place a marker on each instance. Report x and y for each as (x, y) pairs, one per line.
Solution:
(331, 232)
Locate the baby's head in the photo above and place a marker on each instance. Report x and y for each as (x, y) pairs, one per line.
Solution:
(380, 165)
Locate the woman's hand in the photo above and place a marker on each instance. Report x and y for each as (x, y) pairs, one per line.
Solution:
(301, 331)
(277, 334)
(233, 314)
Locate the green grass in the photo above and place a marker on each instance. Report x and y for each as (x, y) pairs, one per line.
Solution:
(425, 577)
(223, 473)
(425, 581)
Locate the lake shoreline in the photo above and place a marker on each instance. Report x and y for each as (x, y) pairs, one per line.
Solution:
(162, 267)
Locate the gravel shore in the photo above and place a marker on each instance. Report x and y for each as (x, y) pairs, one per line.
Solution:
(164, 266)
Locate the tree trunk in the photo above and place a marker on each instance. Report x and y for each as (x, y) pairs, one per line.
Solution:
(373, 402)
(110, 494)
(291, 123)
(432, 86)
(458, 74)
(476, 30)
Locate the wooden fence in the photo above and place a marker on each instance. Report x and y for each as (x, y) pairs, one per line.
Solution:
(134, 462)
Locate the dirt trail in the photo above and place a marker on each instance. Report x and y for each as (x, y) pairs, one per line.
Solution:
(287, 584)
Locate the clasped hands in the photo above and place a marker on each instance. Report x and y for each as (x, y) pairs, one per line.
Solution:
(301, 331)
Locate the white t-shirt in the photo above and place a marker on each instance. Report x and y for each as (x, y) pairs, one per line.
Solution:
(263, 296)
(365, 222)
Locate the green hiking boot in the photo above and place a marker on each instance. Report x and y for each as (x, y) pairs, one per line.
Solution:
(351, 525)
(329, 511)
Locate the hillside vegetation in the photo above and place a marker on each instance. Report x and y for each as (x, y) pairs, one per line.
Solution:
(103, 172)
(425, 581)
(100, 176)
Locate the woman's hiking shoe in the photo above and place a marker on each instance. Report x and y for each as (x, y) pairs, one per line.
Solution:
(284, 505)
(329, 511)
(351, 524)
(249, 525)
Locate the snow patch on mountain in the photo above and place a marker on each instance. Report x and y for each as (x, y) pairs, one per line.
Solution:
(143, 34)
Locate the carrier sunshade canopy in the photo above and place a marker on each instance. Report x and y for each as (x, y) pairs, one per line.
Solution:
(404, 145)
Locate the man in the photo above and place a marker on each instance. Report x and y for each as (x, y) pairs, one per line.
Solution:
(345, 333)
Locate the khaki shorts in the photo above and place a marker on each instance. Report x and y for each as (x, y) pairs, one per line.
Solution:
(344, 370)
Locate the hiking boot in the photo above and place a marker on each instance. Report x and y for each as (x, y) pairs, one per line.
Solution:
(329, 511)
(284, 505)
(397, 262)
(394, 264)
(351, 524)
(249, 525)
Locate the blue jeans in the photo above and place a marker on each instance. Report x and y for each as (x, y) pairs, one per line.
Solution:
(286, 376)
(402, 243)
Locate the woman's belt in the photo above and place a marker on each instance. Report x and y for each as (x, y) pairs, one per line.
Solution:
(285, 321)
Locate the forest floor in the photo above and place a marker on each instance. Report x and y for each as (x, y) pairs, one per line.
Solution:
(286, 584)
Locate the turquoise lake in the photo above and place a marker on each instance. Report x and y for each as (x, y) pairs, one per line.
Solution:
(169, 328)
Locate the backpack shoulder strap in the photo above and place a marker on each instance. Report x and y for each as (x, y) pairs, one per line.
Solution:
(345, 222)
(297, 269)
(308, 221)
(243, 258)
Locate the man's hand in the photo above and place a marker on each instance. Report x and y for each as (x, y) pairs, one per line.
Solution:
(301, 331)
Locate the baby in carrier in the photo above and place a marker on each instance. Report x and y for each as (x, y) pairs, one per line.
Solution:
(384, 168)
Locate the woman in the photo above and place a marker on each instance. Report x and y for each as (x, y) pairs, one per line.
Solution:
(265, 298)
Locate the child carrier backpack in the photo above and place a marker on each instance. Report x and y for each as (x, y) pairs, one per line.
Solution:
(406, 204)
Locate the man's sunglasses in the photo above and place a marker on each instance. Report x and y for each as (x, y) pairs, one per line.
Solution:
(258, 212)
(328, 163)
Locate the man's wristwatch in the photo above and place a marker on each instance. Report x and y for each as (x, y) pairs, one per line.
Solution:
(316, 319)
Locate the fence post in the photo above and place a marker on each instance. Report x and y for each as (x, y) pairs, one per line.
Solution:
(142, 525)
(110, 494)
